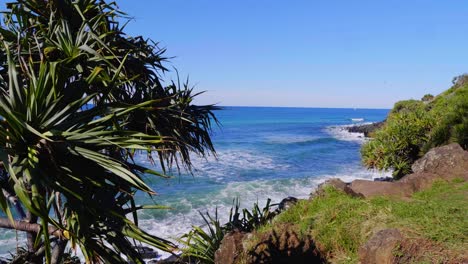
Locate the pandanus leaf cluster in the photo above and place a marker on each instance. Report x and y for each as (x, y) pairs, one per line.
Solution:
(79, 98)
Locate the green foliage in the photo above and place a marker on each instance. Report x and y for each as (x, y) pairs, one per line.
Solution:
(413, 127)
(78, 99)
(407, 106)
(398, 143)
(341, 224)
(451, 115)
(427, 98)
(250, 220)
(200, 245)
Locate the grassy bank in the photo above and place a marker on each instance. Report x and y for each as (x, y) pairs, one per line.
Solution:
(340, 224)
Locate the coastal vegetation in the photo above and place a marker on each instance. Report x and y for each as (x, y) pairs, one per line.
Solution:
(340, 224)
(413, 127)
(200, 245)
(79, 99)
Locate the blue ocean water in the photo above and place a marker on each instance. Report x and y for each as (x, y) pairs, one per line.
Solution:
(262, 152)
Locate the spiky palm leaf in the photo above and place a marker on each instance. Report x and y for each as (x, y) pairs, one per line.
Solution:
(78, 98)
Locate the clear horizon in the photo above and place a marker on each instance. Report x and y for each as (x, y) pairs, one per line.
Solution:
(267, 106)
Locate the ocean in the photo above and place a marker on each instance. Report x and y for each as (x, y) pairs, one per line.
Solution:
(262, 152)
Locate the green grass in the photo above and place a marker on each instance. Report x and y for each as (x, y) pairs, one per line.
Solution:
(340, 224)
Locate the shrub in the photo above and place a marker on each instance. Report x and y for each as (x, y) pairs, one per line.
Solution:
(407, 106)
(414, 127)
(201, 244)
(427, 98)
(398, 144)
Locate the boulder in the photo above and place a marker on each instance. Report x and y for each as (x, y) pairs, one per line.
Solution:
(147, 252)
(390, 246)
(442, 163)
(384, 179)
(449, 161)
(335, 183)
(367, 189)
(380, 249)
(419, 181)
(283, 246)
(287, 203)
(230, 248)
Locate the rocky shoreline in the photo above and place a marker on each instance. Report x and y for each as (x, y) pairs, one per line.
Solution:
(365, 129)
(444, 163)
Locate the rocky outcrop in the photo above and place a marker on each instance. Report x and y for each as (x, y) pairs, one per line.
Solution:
(147, 252)
(230, 249)
(366, 129)
(447, 161)
(286, 203)
(442, 163)
(283, 246)
(380, 249)
(390, 246)
(335, 183)
(368, 189)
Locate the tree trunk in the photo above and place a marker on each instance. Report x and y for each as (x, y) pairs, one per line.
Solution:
(57, 252)
(28, 227)
(31, 235)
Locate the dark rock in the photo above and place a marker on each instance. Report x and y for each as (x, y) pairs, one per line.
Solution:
(174, 259)
(381, 247)
(147, 252)
(384, 179)
(366, 129)
(335, 183)
(231, 247)
(287, 203)
(283, 247)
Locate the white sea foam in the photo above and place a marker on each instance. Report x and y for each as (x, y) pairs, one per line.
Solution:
(341, 133)
(289, 139)
(231, 162)
(248, 193)
(177, 223)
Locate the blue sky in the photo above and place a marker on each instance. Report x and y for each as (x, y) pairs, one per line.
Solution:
(309, 53)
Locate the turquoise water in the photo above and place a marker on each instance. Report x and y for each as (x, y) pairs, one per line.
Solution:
(262, 152)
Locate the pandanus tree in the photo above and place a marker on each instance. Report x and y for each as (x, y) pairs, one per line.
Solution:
(79, 98)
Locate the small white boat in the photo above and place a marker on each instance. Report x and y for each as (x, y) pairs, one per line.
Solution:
(357, 119)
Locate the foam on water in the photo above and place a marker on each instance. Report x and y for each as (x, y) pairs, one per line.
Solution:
(289, 139)
(248, 193)
(230, 163)
(341, 133)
